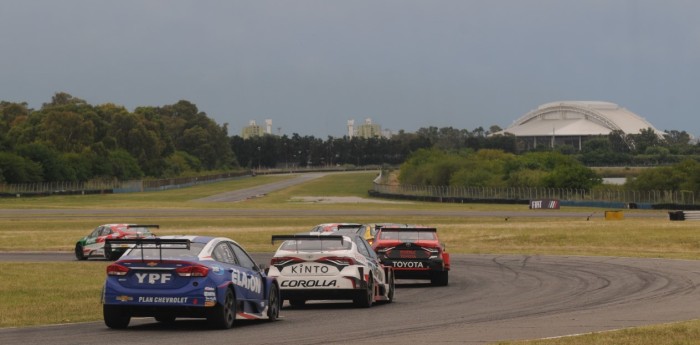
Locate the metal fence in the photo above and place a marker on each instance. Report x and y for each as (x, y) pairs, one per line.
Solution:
(112, 186)
(526, 193)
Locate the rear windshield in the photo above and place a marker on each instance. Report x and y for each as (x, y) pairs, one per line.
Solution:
(407, 236)
(168, 250)
(316, 245)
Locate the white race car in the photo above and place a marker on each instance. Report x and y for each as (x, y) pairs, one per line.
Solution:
(330, 267)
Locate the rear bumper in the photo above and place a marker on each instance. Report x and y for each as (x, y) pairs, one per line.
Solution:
(415, 268)
(319, 294)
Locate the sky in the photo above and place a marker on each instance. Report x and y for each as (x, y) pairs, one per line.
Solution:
(312, 65)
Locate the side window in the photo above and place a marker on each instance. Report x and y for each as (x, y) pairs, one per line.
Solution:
(243, 259)
(361, 247)
(96, 232)
(105, 231)
(223, 253)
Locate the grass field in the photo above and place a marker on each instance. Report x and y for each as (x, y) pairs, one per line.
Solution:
(633, 237)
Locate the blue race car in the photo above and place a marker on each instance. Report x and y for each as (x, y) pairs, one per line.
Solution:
(187, 276)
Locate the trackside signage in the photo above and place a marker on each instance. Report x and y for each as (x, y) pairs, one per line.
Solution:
(548, 204)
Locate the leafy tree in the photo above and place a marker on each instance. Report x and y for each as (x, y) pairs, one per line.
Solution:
(575, 176)
(681, 176)
(123, 166)
(17, 169)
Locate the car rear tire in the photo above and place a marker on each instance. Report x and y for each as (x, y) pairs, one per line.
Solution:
(273, 303)
(392, 288)
(115, 316)
(440, 278)
(79, 252)
(365, 297)
(223, 315)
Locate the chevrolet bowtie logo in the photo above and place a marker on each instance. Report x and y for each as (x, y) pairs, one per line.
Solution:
(124, 298)
(152, 263)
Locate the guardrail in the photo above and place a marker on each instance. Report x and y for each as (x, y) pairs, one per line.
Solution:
(111, 186)
(617, 198)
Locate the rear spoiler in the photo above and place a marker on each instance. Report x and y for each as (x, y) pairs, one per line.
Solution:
(276, 238)
(348, 226)
(409, 229)
(143, 226)
(174, 243)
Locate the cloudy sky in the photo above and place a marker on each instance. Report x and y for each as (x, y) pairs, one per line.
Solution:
(312, 65)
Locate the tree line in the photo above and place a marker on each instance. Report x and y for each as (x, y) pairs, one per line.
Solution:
(68, 139)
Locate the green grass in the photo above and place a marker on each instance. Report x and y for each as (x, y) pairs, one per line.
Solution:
(26, 303)
(66, 292)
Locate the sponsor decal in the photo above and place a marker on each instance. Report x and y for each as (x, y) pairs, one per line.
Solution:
(552, 204)
(124, 298)
(308, 269)
(409, 264)
(153, 278)
(152, 299)
(307, 283)
(247, 282)
(217, 270)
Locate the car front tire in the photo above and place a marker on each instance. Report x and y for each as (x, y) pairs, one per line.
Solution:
(79, 252)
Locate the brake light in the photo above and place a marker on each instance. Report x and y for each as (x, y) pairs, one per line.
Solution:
(338, 260)
(193, 271)
(117, 270)
(284, 260)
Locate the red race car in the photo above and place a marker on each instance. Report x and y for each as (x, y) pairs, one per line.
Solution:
(414, 253)
(94, 243)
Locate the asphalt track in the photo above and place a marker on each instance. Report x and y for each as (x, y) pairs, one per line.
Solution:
(490, 297)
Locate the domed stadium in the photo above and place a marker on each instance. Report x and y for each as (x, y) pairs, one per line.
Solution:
(573, 123)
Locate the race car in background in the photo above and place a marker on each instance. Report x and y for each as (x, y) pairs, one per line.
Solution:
(187, 276)
(367, 231)
(331, 227)
(330, 267)
(93, 245)
(414, 253)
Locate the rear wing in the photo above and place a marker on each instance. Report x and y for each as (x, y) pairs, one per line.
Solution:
(349, 226)
(314, 243)
(277, 238)
(147, 243)
(143, 226)
(407, 229)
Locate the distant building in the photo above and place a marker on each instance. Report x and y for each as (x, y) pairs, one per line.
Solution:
(253, 130)
(573, 123)
(369, 130)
